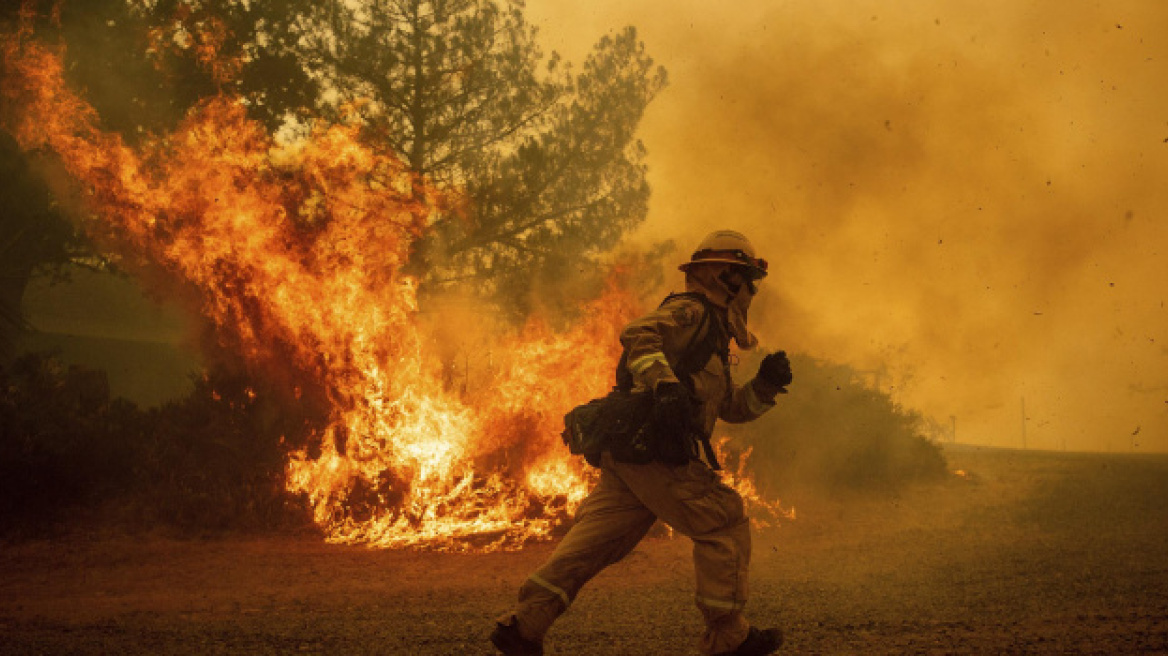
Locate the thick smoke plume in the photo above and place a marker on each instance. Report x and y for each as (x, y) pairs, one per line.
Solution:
(964, 198)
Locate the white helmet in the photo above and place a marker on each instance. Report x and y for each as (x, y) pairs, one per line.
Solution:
(729, 247)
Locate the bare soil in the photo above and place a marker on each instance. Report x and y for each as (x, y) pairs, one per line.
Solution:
(1032, 553)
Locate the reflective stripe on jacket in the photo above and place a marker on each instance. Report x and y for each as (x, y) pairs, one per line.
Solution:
(656, 343)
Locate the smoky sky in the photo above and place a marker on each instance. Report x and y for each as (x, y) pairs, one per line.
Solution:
(966, 197)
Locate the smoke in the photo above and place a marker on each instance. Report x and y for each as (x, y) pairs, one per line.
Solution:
(964, 198)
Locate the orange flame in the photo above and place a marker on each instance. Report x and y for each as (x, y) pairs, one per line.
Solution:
(296, 251)
(205, 35)
(762, 511)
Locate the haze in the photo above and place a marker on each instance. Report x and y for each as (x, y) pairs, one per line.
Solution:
(964, 199)
(968, 194)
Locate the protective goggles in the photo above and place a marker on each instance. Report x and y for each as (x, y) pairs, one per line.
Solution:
(756, 266)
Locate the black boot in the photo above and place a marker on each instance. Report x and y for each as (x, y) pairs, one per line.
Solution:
(759, 642)
(506, 638)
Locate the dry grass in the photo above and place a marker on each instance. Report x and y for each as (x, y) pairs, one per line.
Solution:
(1036, 553)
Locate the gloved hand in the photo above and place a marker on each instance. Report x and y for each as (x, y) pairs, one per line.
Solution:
(674, 424)
(776, 369)
(673, 408)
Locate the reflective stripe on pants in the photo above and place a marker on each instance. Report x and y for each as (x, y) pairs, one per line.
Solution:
(617, 514)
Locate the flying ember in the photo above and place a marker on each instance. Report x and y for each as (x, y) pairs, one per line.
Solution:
(295, 254)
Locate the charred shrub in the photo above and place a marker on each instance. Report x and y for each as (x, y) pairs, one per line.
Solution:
(212, 461)
(63, 442)
(836, 432)
(215, 461)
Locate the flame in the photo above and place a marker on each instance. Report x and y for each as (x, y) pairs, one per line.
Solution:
(962, 474)
(762, 511)
(296, 253)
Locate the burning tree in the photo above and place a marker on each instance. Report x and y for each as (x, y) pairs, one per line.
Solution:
(543, 158)
(297, 251)
(110, 60)
(547, 160)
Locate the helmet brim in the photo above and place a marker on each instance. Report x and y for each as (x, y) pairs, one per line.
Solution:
(754, 272)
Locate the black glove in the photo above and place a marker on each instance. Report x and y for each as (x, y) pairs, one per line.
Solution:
(673, 408)
(776, 369)
(674, 424)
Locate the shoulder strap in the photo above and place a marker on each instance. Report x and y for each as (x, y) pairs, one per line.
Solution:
(711, 338)
(715, 340)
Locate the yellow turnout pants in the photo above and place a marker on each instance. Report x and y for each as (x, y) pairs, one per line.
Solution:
(616, 515)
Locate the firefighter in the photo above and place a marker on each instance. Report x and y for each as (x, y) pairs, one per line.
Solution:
(686, 493)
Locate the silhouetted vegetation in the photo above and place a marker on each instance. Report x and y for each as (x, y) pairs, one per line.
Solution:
(213, 461)
(36, 238)
(837, 432)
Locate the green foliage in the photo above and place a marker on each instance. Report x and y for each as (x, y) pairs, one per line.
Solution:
(459, 90)
(835, 432)
(143, 65)
(203, 48)
(211, 462)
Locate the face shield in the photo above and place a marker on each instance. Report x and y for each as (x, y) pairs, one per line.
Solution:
(737, 308)
(732, 287)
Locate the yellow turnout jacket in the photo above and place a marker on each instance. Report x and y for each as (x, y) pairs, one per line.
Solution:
(657, 342)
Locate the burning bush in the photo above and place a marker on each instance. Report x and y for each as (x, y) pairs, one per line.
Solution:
(294, 254)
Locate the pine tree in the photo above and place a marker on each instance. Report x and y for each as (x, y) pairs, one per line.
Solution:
(546, 158)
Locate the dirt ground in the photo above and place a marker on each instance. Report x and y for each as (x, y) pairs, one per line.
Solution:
(1032, 553)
